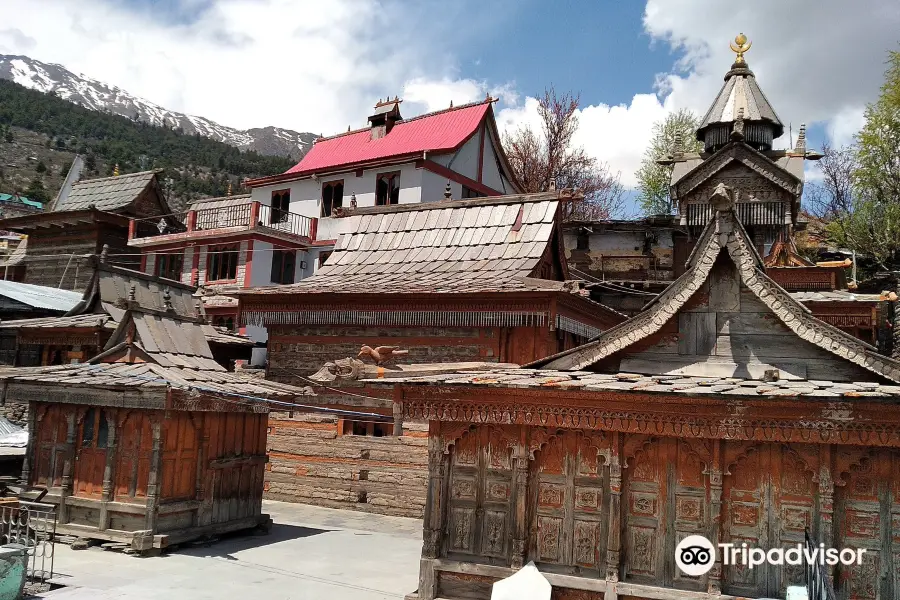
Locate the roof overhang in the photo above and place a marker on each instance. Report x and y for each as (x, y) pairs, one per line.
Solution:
(47, 220)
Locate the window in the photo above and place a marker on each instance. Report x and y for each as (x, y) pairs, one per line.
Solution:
(226, 322)
(468, 192)
(369, 428)
(323, 256)
(583, 241)
(283, 262)
(281, 205)
(221, 263)
(332, 196)
(169, 265)
(387, 189)
(94, 421)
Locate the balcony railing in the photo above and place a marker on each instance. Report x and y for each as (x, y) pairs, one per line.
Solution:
(246, 216)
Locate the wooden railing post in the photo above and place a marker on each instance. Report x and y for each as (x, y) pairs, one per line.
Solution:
(313, 228)
(254, 213)
(132, 229)
(191, 220)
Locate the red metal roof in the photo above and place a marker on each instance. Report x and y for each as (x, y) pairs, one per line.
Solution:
(440, 131)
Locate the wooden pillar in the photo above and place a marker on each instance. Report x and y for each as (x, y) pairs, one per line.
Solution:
(521, 464)
(68, 464)
(614, 544)
(825, 533)
(715, 472)
(398, 411)
(29, 448)
(153, 479)
(438, 466)
(109, 470)
(204, 512)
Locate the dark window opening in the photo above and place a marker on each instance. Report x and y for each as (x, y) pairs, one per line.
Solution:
(468, 192)
(226, 322)
(87, 427)
(368, 428)
(283, 263)
(332, 196)
(281, 204)
(387, 189)
(221, 263)
(169, 266)
(323, 256)
(583, 242)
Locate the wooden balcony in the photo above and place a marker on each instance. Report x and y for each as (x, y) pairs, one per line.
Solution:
(222, 223)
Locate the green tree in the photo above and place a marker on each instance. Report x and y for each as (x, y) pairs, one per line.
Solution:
(90, 162)
(36, 191)
(872, 223)
(653, 178)
(9, 136)
(41, 167)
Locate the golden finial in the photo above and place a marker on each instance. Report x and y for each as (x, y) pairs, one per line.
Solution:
(739, 46)
(116, 170)
(229, 189)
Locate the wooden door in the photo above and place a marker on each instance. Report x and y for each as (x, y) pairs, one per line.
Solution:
(134, 449)
(179, 457)
(479, 499)
(90, 453)
(868, 517)
(50, 446)
(768, 501)
(570, 485)
(664, 501)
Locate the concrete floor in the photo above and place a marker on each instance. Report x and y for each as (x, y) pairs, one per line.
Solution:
(311, 553)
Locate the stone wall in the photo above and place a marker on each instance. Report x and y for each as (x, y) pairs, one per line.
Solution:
(303, 349)
(310, 462)
(15, 411)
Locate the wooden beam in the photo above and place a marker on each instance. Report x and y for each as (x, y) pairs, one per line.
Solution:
(438, 169)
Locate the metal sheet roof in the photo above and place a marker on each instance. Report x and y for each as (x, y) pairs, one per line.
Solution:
(443, 130)
(39, 296)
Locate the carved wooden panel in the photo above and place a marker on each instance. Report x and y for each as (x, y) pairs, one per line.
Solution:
(569, 492)
(92, 437)
(868, 516)
(134, 447)
(480, 492)
(769, 500)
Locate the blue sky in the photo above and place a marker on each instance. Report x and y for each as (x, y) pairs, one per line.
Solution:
(320, 65)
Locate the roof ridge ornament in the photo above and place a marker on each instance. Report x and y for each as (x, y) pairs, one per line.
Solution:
(740, 46)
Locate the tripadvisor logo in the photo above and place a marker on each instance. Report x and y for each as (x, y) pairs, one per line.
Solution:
(695, 555)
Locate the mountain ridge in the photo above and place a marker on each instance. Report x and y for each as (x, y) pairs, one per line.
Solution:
(97, 95)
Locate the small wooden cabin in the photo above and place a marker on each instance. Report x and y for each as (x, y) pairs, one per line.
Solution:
(150, 443)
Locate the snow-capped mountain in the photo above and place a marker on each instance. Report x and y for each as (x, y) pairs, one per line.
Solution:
(99, 96)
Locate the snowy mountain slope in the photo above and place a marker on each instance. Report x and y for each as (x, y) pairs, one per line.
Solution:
(99, 96)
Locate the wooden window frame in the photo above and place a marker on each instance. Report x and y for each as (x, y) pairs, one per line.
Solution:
(278, 275)
(168, 259)
(340, 199)
(469, 193)
(393, 178)
(278, 212)
(226, 321)
(217, 254)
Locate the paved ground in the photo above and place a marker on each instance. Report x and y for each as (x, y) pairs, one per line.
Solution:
(311, 553)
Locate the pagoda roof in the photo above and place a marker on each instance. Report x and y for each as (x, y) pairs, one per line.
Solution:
(740, 92)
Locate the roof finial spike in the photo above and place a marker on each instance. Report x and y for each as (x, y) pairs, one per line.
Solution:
(353, 200)
(800, 148)
(448, 193)
(551, 187)
(116, 170)
(132, 293)
(229, 189)
(104, 253)
(451, 104)
(740, 46)
(348, 129)
(167, 299)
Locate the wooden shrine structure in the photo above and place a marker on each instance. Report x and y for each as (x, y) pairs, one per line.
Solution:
(151, 442)
(724, 409)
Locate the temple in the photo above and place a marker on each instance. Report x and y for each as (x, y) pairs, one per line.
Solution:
(724, 408)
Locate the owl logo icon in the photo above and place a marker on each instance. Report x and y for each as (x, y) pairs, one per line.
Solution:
(695, 555)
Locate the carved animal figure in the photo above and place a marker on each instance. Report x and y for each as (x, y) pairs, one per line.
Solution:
(381, 354)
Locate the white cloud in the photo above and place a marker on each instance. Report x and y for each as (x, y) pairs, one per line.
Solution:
(308, 65)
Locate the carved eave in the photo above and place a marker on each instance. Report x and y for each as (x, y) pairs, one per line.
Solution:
(725, 233)
(741, 153)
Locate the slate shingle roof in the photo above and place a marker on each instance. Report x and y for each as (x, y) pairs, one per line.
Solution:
(107, 193)
(740, 91)
(486, 244)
